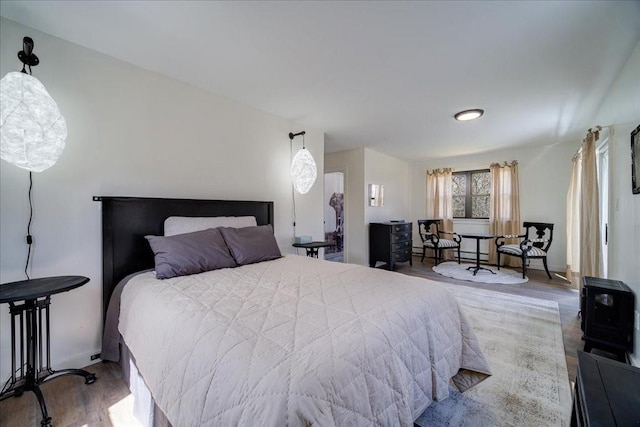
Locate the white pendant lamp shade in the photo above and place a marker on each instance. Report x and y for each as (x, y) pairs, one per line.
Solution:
(303, 171)
(32, 129)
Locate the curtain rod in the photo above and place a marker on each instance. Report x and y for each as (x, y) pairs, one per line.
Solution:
(590, 131)
(597, 128)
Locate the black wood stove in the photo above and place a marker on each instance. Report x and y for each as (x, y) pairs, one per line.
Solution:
(607, 316)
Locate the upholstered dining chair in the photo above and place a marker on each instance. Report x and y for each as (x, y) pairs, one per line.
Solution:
(433, 238)
(533, 245)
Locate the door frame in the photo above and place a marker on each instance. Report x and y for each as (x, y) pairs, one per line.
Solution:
(603, 166)
(345, 219)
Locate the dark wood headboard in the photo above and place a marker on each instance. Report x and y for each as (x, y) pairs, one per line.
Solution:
(126, 220)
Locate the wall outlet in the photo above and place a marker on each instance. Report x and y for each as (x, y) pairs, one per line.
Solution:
(637, 320)
(97, 356)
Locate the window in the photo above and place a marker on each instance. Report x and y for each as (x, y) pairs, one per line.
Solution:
(471, 194)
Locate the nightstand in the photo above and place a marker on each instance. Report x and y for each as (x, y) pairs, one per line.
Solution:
(34, 337)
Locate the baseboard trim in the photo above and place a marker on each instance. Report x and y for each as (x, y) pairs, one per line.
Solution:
(79, 361)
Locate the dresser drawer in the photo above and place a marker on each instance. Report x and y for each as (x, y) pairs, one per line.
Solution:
(401, 256)
(400, 246)
(401, 237)
(401, 228)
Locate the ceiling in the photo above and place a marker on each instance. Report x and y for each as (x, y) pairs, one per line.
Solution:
(384, 75)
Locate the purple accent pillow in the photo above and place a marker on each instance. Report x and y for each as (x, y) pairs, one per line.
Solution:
(251, 244)
(190, 253)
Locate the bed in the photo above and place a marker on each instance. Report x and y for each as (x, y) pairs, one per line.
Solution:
(287, 341)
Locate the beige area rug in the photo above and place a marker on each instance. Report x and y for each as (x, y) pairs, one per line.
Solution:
(522, 340)
(460, 271)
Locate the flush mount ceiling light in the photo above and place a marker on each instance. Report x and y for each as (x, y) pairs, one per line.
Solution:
(303, 167)
(469, 114)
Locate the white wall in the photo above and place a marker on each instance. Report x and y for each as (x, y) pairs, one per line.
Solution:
(394, 175)
(131, 133)
(621, 110)
(543, 174)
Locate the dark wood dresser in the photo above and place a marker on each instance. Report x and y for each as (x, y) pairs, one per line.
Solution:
(607, 393)
(389, 242)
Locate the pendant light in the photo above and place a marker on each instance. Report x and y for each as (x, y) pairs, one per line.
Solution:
(32, 129)
(303, 167)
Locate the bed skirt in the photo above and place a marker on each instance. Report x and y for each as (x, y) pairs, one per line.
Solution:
(145, 409)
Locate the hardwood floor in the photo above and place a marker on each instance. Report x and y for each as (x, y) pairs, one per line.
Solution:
(71, 402)
(107, 403)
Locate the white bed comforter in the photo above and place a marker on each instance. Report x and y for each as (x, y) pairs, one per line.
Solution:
(297, 341)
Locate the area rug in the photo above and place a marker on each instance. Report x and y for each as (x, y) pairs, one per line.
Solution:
(459, 271)
(522, 340)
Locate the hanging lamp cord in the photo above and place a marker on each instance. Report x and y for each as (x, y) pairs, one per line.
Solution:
(24, 70)
(29, 237)
(293, 192)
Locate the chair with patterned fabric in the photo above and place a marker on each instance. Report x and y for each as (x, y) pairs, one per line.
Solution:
(530, 247)
(431, 237)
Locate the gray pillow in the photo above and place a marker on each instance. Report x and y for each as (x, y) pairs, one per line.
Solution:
(189, 253)
(251, 244)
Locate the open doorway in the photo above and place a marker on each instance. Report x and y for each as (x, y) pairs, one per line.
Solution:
(334, 216)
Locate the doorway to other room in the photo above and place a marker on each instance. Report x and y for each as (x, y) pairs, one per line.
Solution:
(334, 216)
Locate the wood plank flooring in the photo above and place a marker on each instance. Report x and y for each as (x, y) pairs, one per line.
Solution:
(71, 402)
(107, 402)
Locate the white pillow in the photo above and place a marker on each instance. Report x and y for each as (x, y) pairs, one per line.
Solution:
(185, 224)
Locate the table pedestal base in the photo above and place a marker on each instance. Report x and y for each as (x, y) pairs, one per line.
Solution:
(477, 268)
(30, 384)
(478, 237)
(36, 369)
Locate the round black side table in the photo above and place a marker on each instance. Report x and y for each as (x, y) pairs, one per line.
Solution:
(29, 374)
(478, 237)
(312, 247)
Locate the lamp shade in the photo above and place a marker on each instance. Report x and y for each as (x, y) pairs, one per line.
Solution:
(32, 129)
(303, 171)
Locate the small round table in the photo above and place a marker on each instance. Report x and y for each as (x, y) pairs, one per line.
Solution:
(312, 247)
(36, 294)
(478, 237)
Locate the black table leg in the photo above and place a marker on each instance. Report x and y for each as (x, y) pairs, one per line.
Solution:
(46, 419)
(477, 266)
(89, 378)
(312, 252)
(35, 375)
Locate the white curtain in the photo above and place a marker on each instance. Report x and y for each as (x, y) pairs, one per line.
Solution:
(583, 213)
(504, 216)
(573, 222)
(440, 200)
